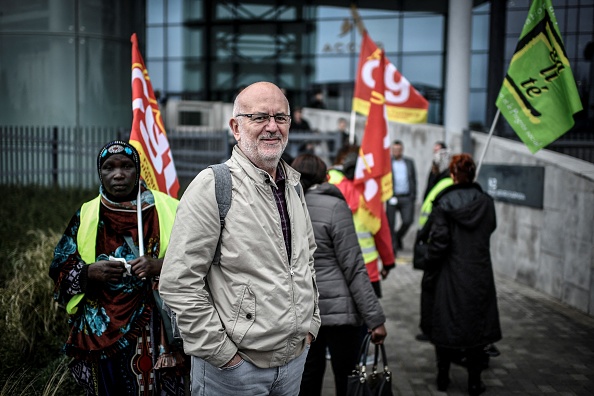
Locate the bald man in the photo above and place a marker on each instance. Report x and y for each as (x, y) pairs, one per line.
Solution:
(247, 321)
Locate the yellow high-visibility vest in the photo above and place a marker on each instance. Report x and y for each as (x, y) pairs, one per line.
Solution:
(86, 237)
(427, 206)
(364, 236)
(335, 176)
(366, 241)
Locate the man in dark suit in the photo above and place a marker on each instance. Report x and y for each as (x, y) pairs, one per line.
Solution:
(404, 178)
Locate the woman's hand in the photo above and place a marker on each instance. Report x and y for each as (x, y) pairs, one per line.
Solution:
(106, 271)
(146, 267)
(378, 334)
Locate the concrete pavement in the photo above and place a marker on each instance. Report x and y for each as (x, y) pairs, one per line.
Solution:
(547, 347)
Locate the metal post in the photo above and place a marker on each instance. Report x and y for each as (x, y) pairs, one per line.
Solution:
(55, 156)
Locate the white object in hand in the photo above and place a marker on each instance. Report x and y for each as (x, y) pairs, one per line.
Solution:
(126, 265)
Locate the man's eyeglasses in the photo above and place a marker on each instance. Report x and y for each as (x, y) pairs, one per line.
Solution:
(260, 118)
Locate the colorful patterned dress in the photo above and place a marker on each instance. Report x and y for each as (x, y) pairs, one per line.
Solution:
(115, 336)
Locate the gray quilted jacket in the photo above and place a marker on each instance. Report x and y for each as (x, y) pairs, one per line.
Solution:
(346, 294)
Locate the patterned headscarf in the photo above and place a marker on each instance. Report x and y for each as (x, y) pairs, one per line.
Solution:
(118, 147)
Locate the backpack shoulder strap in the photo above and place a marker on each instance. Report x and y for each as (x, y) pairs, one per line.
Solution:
(223, 191)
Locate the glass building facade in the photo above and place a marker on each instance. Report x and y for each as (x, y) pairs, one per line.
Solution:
(204, 51)
(67, 62)
(198, 50)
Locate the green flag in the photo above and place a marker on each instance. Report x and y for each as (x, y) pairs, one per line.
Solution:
(539, 96)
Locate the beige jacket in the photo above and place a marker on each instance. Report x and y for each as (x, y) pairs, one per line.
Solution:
(256, 302)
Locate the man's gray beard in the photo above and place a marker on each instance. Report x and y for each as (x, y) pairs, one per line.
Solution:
(271, 161)
(268, 162)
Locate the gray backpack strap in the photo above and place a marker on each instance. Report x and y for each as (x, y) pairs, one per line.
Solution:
(223, 191)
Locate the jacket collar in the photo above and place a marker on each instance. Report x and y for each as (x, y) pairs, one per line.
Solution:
(260, 175)
(326, 189)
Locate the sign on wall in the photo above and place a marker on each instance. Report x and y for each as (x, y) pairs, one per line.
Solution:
(516, 184)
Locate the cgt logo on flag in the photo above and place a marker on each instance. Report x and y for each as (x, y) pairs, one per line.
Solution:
(148, 133)
(373, 172)
(403, 102)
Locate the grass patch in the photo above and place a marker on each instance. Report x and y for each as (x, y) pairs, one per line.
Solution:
(33, 327)
(26, 208)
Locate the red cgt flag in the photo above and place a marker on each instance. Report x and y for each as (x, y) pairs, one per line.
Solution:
(148, 133)
(403, 102)
(373, 173)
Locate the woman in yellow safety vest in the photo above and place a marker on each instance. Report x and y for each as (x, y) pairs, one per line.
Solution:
(375, 244)
(116, 336)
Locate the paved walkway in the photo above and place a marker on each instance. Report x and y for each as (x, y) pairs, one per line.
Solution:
(547, 347)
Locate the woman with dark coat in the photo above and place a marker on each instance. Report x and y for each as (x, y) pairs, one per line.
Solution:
(465, 314)
(347, 299)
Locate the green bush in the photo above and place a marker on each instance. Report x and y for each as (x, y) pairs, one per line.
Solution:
(33, 327)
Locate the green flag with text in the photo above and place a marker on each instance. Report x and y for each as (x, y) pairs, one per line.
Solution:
(539, 96)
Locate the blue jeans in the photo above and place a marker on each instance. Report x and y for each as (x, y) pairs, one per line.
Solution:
(246, 379)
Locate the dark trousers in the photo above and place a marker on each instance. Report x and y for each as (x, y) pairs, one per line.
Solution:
(343, 343)
(472, 358)
(406, 208)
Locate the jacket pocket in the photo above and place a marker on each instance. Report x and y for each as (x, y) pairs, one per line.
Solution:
(245, 315)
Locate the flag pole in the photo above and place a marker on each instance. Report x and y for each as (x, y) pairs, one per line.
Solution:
(361, 28)
(139, 221)
(480, 162)
(352, 128)
(357, 19)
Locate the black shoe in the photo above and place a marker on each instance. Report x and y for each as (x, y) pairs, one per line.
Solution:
(476, 389)
(492, 350)
(443, 381)
(422, 337)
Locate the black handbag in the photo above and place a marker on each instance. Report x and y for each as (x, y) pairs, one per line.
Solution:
(420, 255)
(375, 383)
(420, 250)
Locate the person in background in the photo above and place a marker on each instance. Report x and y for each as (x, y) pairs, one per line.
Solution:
(441, 180)
(437, 169)
(298, 123)
(317, 101)
(375, 244)
(404, 177)
(117, 340)
(347, 299)
(248, 320)
(465, 314)
(441, 161)
(301, 125)
(342, 128)
(336, 171)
